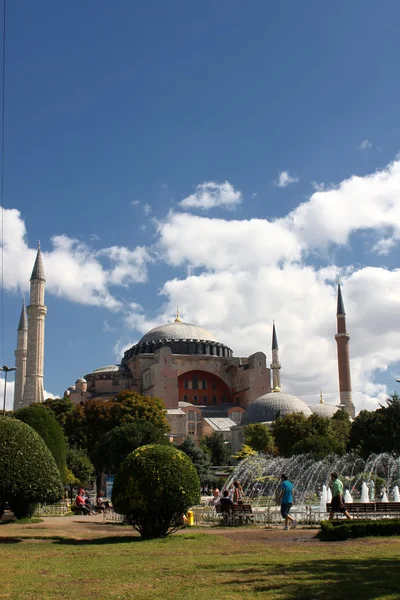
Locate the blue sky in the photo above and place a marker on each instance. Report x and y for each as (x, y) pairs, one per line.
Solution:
(115, 114)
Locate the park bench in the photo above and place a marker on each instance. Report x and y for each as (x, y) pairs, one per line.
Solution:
(361, 508)
(239, 514)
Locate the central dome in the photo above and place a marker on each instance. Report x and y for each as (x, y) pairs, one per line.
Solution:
(177, 331)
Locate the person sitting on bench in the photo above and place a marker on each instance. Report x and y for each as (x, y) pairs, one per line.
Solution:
(81, 505)
(226, 502)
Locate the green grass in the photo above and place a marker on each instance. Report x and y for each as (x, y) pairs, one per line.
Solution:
(23, 521)
(199, 566)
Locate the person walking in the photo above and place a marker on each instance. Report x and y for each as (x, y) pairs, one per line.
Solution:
(337, 504)
(286, 498)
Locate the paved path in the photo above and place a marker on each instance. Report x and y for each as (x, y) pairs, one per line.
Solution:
(91, 527)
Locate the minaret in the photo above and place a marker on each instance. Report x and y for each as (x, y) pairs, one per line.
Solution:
(33, 391)
(342, 339)
(275, 365)
(20, 359)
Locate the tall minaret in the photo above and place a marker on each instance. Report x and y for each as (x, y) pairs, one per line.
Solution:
(342, 339)
(20, 359)
(275, 365)
(33, 391)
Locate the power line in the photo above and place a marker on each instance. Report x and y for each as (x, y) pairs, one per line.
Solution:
(2, 177)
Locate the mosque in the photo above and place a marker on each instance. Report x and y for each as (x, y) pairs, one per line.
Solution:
(204, 387)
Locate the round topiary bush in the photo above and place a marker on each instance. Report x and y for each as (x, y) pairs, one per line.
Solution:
(155, 487)
(44, 422)
(28, 472)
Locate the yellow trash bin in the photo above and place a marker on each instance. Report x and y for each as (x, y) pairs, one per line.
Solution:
(190, 518)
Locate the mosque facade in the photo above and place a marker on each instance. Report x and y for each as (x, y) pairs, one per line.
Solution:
(204, 387)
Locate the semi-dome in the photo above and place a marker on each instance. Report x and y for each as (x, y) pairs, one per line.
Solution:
(178, 331)
(324, 410)
(276, 404)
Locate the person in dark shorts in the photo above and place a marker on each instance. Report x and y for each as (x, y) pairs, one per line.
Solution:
(286, 498)
(337, 503)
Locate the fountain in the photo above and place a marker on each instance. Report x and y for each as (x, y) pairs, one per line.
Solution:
(396, 494)
(329, 495)
(348, 498)
(260, 477)
(323, 499)
(364, 492)
(384, 497)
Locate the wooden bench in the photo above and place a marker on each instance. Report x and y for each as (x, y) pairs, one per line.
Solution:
(240, 514)
(370, 507)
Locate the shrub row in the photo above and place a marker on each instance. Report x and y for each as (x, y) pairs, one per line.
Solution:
(332, 531)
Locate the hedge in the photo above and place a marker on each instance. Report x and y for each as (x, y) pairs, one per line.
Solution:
(44, 422)
(342, 530)
(155, 487)
(28, 472)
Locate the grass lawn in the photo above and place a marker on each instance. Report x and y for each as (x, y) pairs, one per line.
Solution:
(211, 565)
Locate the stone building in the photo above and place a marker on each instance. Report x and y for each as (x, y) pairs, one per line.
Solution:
(204, 387)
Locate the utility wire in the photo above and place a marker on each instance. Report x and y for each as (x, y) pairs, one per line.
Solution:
(2, 177)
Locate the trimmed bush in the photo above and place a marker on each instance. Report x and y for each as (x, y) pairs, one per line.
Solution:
(155, 487)
(28, 472)
(44, 422)
(332, 531)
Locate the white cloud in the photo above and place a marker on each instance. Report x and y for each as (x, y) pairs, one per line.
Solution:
(146, 209)
(285, 179)
(73, 269)
(365, 144)
(211, 195)
(10, 394)
(135, 203)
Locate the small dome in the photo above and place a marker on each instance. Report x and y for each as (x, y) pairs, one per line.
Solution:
(177, 331)
(324, 410)
(81, 380)
(72, 388)
(269, 407)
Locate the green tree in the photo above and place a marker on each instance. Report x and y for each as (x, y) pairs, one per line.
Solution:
(289, 430)
(155, 487)
(28, 472)
(81, 467)
(244, 452)
(259, 437)
(60, 407)
(218, 448)
(199, 458)
(44, 422)
(377, 431)
(112, 449)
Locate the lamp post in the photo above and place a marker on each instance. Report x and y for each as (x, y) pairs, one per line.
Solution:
(6, 371)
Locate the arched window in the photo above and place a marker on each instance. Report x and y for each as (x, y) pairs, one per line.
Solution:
(195, 399)
(205, 399)
(185, 398)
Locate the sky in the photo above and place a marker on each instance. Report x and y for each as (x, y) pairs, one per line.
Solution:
(231, 158)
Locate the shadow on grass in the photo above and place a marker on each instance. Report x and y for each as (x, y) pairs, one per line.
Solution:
(10, 540)
(366, 579)
(100, 541)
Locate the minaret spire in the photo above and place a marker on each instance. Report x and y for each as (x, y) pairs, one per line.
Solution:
(33, 390)
(275, 364)
(342, 340)
(20, 358)
(177, 318)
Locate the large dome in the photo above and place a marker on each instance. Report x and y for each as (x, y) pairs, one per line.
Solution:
(324, 410)
(177, 331)
(268, 407)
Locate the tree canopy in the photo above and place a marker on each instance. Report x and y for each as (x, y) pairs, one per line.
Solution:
(112, 449)
(218, 449)
(28, 472)
(199, 457)
(259, 437)
(44, 422)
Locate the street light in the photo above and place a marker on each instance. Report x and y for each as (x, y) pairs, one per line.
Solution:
(6, 371)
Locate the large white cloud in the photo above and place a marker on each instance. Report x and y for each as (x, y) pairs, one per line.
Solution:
(10, 394)
(73, 269)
